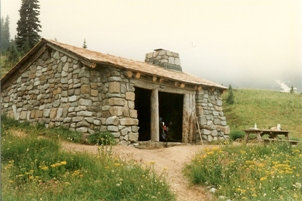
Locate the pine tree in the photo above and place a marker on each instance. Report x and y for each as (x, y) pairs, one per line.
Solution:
(230, 98)
(292, 90)
(84, 44)
(4, 37)
(28, 26)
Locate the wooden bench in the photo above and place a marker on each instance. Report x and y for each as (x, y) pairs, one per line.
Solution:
(273, 134)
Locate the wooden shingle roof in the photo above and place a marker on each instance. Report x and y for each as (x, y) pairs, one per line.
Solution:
(119, 62)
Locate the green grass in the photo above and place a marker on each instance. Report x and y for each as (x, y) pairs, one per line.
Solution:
(257, 172)
(266, 109)
(34, 168)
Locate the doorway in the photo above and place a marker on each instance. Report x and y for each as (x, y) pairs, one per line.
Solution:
(143, 107)
(171, 112)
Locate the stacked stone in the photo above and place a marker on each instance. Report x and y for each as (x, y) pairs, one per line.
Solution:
(164, 58)
(119, 116)
(210, 115)
(58, 90)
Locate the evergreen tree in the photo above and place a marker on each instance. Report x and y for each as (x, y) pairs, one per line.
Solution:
(84, 44)
(292, 90)
(28, 26)
(4, 37)
(230, 98)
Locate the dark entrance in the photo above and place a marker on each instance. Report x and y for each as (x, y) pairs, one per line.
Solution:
(143, 107)
(171, 111)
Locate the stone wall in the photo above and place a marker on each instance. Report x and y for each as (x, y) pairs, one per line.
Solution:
(164, 58)
(58, 90)
(119, 116)
(210, 115)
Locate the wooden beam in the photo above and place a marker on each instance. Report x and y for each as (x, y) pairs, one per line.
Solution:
(161, 80)
(148, 84)
(154, 78)
(176, 84)
(138, 75)
(199, 88)
(129, 74)
(154, 116)
(182, 85)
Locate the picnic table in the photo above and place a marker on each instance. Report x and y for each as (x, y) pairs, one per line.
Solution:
(273, 134)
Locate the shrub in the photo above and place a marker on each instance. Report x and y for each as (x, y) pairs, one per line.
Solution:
(36, 169)
(230, 98)
(101, 138)
(236, 134)
(271, 172)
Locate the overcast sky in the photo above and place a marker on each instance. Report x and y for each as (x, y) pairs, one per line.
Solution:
(246, 43)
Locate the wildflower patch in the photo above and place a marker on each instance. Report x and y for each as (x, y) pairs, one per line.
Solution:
(259, 172)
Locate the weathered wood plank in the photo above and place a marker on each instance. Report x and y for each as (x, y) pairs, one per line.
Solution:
(161, 87)
(154, 116)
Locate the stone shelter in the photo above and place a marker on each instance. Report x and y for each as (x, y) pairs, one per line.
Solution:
(61, 85)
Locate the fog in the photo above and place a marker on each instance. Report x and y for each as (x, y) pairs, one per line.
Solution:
(246, 43)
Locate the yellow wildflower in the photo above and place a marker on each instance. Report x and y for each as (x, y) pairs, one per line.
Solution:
(63, 162)
(263, 178)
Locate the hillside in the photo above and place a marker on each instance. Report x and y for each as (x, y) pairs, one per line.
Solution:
(266, 109)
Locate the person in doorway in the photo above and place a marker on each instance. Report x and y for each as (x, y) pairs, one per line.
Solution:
(163, 130)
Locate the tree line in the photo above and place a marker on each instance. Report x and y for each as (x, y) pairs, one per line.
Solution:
(28, 29)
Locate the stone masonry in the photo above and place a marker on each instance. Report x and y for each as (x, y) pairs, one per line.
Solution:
(164, 58)
(210, 115)
(58, 90)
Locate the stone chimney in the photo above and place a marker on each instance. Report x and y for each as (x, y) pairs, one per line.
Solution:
(164, 58)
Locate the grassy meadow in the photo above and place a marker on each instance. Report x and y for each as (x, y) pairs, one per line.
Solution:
(266, 109)
(255, 173)
(35, 168)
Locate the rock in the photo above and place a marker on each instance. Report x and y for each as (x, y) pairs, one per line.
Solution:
(219, 102)
(116, 134)
(133, 137)
(214, 132)
(82, 129)
(77, 119)
(46, 112)
(112, 128)
(125, 131)
(97, 122)
(23, 115)
(116, 101)
(114, 87)
(53, 113)
(83, 123)
(85, 89)
(205, 132)
(84, 113)
(135, 129)
(116, 111)
(130, 96)
(133, 113)
(131, 104)
(128, 122)
(114, 120)
(56, 55)
(94, 92)
(86, 102)
(59, 112)
(217, 122)
(210, 138)
(65, 67)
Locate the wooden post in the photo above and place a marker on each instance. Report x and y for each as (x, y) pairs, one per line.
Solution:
(154, 116)
(189, 119)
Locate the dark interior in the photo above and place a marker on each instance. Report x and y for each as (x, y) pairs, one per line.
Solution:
(171, 111)
(143, 107)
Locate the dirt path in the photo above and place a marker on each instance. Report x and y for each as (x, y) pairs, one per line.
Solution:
(170, 160)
